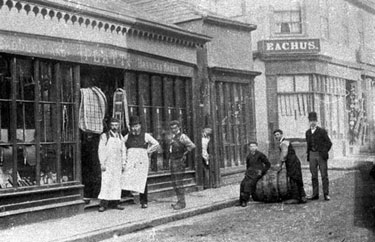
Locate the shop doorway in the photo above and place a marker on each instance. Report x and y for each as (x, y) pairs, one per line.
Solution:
(104, 80)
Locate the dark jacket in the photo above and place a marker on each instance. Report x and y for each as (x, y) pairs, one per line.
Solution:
(257, 164)
(320, 140)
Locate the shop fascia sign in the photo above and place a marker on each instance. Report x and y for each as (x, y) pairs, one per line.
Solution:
(286, 46)
(88, 53)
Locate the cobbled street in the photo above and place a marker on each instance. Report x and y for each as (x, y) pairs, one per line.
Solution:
(349, 216)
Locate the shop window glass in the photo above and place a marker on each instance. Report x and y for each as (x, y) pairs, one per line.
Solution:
(233, 122)
(131, 79)
(45, 82)
(67, 125)
(67, 84)
(67, 162)
(285, 84)
(35, 83)
(302, 83)
(47, 124)
(158, 100)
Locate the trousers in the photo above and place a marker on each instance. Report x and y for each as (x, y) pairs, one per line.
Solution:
(143, 197)
(177, 174)
(316, 161)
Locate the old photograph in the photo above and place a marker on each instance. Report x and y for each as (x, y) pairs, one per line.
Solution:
(187, 120)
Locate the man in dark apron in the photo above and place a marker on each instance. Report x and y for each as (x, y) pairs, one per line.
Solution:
(293, 169)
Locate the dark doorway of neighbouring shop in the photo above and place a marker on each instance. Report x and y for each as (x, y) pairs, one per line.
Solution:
(98, 85)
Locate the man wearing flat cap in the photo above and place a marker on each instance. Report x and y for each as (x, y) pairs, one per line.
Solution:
(318, 146)
(112, 157)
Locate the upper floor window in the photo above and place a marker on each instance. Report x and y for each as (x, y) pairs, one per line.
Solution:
(288, 22)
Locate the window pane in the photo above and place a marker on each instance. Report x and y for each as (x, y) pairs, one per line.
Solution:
(26, 161)
(47, 124)
(144, 89)
(67, 93)
(286, 17)
(285, 84)
(302, 83)
(45, 82)
(48, 172)
(67, 162)
(5, 121)
(295, 17)
(67, 126)
(25, 82)
(288, 21)
(133, 88)
(25, 116)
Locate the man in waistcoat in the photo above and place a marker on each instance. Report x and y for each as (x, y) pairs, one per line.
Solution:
(179, 146)
(293, 169)
(257, 166)
(112, 157)
(318, 146)
(140, 146)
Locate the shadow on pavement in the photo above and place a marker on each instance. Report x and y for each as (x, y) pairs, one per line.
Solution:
(364, 200)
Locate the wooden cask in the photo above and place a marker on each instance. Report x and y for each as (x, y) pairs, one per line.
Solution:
(273, 187)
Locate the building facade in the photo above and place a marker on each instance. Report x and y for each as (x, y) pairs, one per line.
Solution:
(226, 95)
(315, 56)
(51, 52)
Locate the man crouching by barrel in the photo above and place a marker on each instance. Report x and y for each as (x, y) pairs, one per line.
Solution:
(293, 169)
(257, 165)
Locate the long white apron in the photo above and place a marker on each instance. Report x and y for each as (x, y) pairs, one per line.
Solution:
(111, 177)
(136, 170)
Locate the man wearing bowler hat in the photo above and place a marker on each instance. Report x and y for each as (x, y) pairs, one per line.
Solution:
(318, 146)
(140, 145)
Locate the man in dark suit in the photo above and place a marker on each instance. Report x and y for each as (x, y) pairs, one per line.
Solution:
(257, 165)
(318, 146)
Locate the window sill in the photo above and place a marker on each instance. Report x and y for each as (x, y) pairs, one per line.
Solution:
(288, 35)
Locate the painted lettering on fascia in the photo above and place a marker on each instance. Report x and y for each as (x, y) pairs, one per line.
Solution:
(291, 46)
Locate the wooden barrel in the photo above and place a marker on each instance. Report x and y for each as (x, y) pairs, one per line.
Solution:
(273, 187)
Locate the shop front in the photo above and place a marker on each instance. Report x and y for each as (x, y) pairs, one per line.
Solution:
(305, 81)
(63, 73)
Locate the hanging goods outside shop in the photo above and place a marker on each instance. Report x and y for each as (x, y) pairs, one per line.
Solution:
(120, 108)
(92, 110)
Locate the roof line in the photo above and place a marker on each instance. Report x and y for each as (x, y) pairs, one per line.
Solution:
(133, 21)
(230, 22)
(364, 4)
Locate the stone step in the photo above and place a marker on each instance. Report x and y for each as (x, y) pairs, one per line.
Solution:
(166, 184)
(40, 202)
(40, 213)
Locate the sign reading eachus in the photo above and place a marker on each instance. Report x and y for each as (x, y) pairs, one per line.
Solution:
(286, 46)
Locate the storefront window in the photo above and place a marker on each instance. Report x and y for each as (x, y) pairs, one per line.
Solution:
(37, 121)
(234, 122)
(158, 100)
(298, 95)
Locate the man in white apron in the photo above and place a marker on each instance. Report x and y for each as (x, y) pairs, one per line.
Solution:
(140, 146)
(112, 157)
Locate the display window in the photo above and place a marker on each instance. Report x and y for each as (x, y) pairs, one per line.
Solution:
(235, 121)
(298, 95)
(159, 99)
(37, 115)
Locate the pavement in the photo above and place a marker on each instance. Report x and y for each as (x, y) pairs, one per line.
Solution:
(95, 226)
